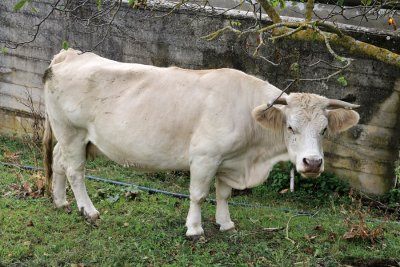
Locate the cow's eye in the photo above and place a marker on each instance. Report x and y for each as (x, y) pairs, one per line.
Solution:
(290, 129)
(323, 131)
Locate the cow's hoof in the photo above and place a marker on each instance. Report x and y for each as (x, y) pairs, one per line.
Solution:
(67, 209)
(194, 232)
(91, 217)
(64, 205)
(194, 238)
(227, 227)
(230, 230)
(61, 204)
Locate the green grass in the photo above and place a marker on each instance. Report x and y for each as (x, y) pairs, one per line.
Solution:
(149, 230)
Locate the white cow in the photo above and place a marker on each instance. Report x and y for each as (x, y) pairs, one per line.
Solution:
(218, 123)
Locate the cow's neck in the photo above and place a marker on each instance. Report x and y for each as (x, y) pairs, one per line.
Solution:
(253, 166)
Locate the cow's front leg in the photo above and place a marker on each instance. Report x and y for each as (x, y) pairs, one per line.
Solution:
(222, 216)
(202, 171)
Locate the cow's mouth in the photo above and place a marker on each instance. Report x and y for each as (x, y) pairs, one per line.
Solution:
(310, 174)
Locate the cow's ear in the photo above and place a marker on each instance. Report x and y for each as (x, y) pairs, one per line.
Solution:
(269, 117)
(340, 120)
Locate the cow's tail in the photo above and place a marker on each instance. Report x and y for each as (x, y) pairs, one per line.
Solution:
(48, 155)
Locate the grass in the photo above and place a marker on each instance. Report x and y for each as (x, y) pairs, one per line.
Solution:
(148, 230)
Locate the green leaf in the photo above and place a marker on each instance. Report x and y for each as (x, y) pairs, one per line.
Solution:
(34, 9)
(113, 199)
(342, 81)
(236, 23)
(314, 35)
(340, 2)
(3, 50)
(274, 3)
(131, 2)
(20, 4)
(366, 2)
(65, 45)
(295, 69)
(98, 4)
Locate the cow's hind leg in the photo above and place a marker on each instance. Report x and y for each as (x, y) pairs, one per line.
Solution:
(222, 216)
(74, 157)
(59, 180)
(202, 171)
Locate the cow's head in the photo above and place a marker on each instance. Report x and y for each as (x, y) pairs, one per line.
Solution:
(305, 119)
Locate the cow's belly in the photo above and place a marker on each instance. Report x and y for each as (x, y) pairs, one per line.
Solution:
(142, 152)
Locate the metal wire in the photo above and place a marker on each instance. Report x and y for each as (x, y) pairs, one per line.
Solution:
(180, 195)
(168, 193)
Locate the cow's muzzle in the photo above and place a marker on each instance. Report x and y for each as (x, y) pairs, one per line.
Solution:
(312, 167)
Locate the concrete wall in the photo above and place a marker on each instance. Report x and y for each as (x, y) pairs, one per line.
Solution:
(364, 155)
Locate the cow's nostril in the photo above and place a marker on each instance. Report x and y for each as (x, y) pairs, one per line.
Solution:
(319, 162)
(305, 161)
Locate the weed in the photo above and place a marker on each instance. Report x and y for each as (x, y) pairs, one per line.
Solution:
(359, 228)
(327, 183)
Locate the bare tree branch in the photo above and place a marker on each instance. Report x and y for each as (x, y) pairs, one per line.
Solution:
(15, 45)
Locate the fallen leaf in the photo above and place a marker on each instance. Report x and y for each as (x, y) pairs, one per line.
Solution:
(27, 187)
(11, 156)
(392, 22)
(284, 191)
(131, 195)
(349, 235)
(332, 236)
(310, 238)
(309, 250)
(318, 228)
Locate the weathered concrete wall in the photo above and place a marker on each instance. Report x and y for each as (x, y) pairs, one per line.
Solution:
(364, 155)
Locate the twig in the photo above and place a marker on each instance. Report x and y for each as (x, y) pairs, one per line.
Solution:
(328, 46)
(269, 61)
(326, 78)
(301, 27)
(177, 6)
(109, 24)
(217, 33)
(283, 91)
(37, 29)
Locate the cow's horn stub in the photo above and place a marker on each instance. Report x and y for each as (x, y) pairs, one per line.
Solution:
(278, 101)
(335, 103)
